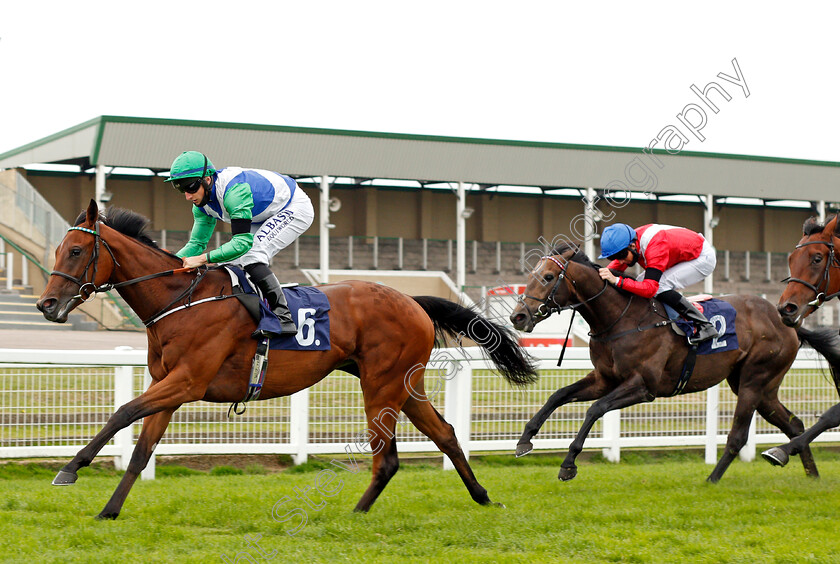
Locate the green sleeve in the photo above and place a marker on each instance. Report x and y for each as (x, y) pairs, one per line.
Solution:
(239, 203)
(203, 226)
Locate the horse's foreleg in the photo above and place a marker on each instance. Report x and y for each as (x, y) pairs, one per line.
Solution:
(153, 428)
(588, 388)
(778, 456)
(169, 393)
(777, 414)
(426, 418)
(629, 392)
(738, 434)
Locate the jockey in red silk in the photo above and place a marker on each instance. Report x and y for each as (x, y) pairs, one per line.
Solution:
(672, 258)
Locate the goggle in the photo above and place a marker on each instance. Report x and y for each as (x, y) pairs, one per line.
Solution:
(192, 184)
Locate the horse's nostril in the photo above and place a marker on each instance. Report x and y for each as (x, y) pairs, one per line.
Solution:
(788, 308)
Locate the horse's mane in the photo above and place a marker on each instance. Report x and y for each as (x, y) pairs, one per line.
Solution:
(127, 222)
(812, 225)
(578, 256)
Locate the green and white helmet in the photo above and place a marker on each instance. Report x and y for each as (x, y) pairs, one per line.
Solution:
(190, 164)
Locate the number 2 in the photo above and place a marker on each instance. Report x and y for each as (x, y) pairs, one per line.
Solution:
(720, 324)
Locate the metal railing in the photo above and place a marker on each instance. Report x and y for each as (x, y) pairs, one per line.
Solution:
(52, 403)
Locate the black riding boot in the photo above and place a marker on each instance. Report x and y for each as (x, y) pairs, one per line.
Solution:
(267, 282)
(705, 330)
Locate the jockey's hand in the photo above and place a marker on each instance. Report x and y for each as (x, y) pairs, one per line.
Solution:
(194, 262)
(608, 276)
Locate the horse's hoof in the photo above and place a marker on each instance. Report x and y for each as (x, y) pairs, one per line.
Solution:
(106, 516)
(523, 448)
(775, 456)
(567, 474)
(65, 478)
(499, 505)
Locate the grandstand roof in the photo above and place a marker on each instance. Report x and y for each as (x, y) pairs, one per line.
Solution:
(304, 152)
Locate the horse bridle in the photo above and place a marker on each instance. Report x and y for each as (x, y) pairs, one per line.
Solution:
(88, 288)
(821, 297)
(547, 304)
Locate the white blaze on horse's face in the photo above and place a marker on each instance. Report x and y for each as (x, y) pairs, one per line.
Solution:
(533, 306)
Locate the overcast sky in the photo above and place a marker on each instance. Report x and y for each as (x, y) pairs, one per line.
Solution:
(603, 74)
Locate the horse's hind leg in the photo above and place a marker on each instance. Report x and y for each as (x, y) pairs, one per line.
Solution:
(426, 418)
(778, 456)
(382, 421)
(590, 387)
(630, 392)
(777, 414)
(153, 428)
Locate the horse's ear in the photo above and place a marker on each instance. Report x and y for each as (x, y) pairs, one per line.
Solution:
(836, 231)
(92, 212)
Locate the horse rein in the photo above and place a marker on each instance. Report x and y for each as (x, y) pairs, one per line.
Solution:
(548, 304)
(549, 308)
(821, 297)
(88, 289)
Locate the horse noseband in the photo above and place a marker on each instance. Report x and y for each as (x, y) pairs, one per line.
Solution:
(821, 296)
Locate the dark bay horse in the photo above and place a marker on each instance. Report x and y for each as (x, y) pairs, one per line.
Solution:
(810, 285)
(382, 336)
(638, 358)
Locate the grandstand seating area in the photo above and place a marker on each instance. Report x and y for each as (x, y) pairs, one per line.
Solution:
(488, 264)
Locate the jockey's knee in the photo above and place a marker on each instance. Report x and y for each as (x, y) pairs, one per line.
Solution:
(257, 270)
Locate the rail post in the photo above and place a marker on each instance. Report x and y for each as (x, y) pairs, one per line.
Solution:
(457, 406)
(299, 425)
(123, 393)
(712, 408)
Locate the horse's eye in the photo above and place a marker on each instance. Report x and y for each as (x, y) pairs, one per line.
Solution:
(549, 277)
(817, 259)
(75, 251)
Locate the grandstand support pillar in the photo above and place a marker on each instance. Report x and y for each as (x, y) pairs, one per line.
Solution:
(709, 224)
(821, 211)
(589, 224)
(460, 236)
(101, 201)
(325, 224)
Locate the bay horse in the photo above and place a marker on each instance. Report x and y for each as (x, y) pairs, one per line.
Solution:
(638, 358)
(380, 335)
(809, 286)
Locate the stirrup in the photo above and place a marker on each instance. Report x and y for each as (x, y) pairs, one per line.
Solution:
(704, 333)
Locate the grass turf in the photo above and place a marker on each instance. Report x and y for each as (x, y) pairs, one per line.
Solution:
(648, 508)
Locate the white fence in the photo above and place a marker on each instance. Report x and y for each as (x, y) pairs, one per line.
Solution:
(53, 402)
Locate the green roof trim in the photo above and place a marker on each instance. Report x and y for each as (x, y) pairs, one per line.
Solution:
(102, 122)
(53, 137)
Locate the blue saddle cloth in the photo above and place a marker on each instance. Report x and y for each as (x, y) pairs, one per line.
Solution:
(721, 314)
(310, 311)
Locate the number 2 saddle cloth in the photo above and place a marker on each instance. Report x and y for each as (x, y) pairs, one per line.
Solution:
(721, 314)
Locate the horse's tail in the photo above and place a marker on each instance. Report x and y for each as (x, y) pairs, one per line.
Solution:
(500, 343)
(825, 341)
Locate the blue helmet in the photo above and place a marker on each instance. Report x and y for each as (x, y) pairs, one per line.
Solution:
(616, 237)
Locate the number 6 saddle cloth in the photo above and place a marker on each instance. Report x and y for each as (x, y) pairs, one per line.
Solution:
(310, 311)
